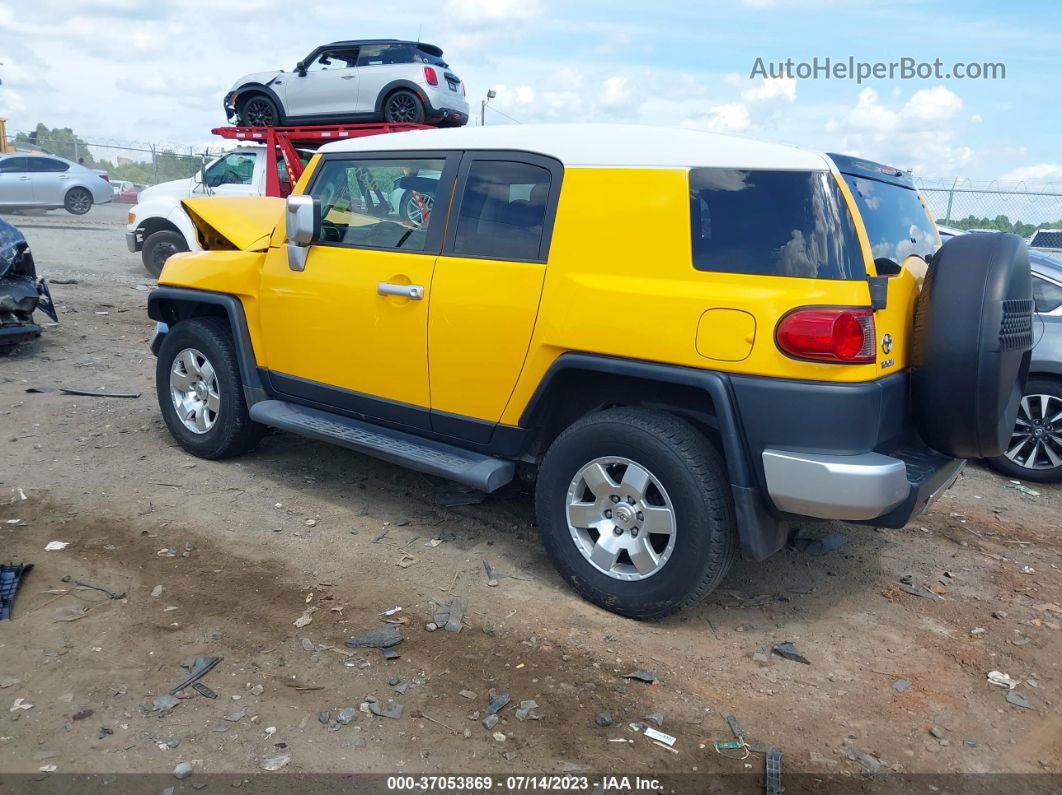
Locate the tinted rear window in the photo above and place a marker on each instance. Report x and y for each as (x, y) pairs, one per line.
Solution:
(772, 223)
(897, 223)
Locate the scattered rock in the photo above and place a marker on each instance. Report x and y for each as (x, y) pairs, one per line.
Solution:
(378, 638)
(499, 737)
(977, 631)
(237, 716)
(868, 761)
(526, 711)
(761, 658)
(394, 711)
(156, 592)
(449, 616)
(82, 714)
(655, 717)
(1001, 679)
(257, 690)
(818, 546)
(497, 701)
(469, 694)
(183, 770)
(307, 645)
(324, 716)
(393, 681)
(937, 732)
(104, 732)
(491, 721)
(900, 685)
(642, 676)
(165, 702)
(347, 715)
(603, 719)
(1000, 614)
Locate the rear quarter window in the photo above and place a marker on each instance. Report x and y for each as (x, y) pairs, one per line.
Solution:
(772, 223)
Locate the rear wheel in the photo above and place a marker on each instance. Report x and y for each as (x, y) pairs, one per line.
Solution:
(159, 247)
(414, 211)
(1035, 449)
(259, 111)
(78, 201)
(404, 107)
(634, 509)
(200, 391)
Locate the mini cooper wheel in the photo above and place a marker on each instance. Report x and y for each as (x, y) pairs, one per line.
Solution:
(1035, 449)
(200, 391)
(404, 107)
(259, 111)
(634, 510)
(78, 201)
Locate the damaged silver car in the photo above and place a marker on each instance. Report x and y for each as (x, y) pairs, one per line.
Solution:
(21, 292)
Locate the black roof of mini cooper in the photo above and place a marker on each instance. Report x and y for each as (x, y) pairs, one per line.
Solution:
(859, 167)
(431, 49)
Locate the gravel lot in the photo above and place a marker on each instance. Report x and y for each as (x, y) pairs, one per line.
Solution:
(222, 558)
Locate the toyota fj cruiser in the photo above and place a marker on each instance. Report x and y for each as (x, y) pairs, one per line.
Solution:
(688, 341)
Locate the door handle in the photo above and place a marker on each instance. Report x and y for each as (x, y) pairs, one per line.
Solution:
(347, 77)
(414, 291)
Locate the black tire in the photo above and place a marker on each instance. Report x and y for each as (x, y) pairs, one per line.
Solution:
(232, 432)
(408, 209)
(78, 201)
(1035, 463)
(972, 338)
(403, 107)
(692, 474)
(159, 247)
(258, 110)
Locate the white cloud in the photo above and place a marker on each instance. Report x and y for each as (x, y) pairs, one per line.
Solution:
(732, 117)
(781, 88)
(1041, 172)
(475, 14)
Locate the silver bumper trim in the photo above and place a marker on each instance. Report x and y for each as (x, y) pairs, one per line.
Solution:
(848, 487)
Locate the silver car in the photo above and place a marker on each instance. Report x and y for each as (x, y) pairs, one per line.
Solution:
(46, 182)
(366, 80)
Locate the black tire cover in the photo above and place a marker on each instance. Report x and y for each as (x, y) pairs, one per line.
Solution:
(972, 342)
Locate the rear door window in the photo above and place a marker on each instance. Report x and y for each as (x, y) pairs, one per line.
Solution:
(506, 208)
(48, 164)
(772, 223)
(1047, 296)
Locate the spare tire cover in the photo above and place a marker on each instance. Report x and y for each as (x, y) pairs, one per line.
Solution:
(972, 342)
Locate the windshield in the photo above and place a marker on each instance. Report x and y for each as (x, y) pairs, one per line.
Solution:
(897, 223)
(235, 168)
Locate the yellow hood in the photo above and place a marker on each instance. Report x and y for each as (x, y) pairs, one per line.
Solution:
(243, 223)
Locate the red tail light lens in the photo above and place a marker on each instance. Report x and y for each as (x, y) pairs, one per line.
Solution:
(430, 76)
(828, 335)
(105, 178)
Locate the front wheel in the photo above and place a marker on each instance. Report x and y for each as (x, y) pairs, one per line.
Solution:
(259, 111)
(1035, 448)
(634, 509)
(159, 247)
(78, 201)
(404, 107)
(200, 392)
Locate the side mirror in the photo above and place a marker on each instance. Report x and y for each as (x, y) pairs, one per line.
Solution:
(300, 69)
(302, 220)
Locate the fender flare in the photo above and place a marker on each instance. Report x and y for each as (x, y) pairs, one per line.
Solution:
(169, 211)
(260, 88)
(760, 533)
(408, 84)
(164, 305)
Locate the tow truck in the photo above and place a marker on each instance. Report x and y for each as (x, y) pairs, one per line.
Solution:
(267, 161)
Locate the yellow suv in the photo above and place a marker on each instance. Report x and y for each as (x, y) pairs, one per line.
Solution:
(688, 341)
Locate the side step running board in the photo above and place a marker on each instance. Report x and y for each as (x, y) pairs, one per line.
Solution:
(424, 455)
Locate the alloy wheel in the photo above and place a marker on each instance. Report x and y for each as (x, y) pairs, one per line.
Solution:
(80, 201)
(1037, 439)
(413, 208)
(621, 518)
(259, 112)
(401, 108)
(194, 390)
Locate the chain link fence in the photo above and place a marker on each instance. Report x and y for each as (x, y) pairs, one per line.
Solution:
(140, 163)
(1019, 207)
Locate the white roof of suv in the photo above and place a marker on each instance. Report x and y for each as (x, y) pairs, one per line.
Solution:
(602, 145)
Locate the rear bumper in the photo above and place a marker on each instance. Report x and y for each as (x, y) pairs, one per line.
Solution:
(863, 487)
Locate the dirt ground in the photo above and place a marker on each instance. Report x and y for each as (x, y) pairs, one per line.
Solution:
(241, 549)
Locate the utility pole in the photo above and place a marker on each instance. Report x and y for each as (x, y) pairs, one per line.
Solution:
(491, 94)
(951, 197)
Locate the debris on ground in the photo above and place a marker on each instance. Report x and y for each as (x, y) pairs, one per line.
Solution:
(1001, 679)
(10, 579)
(91, 587)
(55, 546)
(449, 616)
(469, 694)
(870, 762)
(394, 711)
(306, 618)
(97, 393)
(20, 704)
(346, 715)
(642, 676)
(183, 770)
(922, 591)
(379, 638)
(488, 569)
(497, 702)
(275, 763)
(603, 719)
(1019, 487)
(660, 736)
(69, 613)
(452, 499)
(817, 546)
(200, 667)
(527, 711)
(491, 721)
(1018, 699)
(789, 652)
(655, 717)
(900, 685)
(165, 702)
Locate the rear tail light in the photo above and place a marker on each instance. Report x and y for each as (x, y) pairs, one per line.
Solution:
(430, 76)
(828, 335)
(105, 178)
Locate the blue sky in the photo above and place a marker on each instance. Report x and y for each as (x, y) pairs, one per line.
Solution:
(136, 71)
